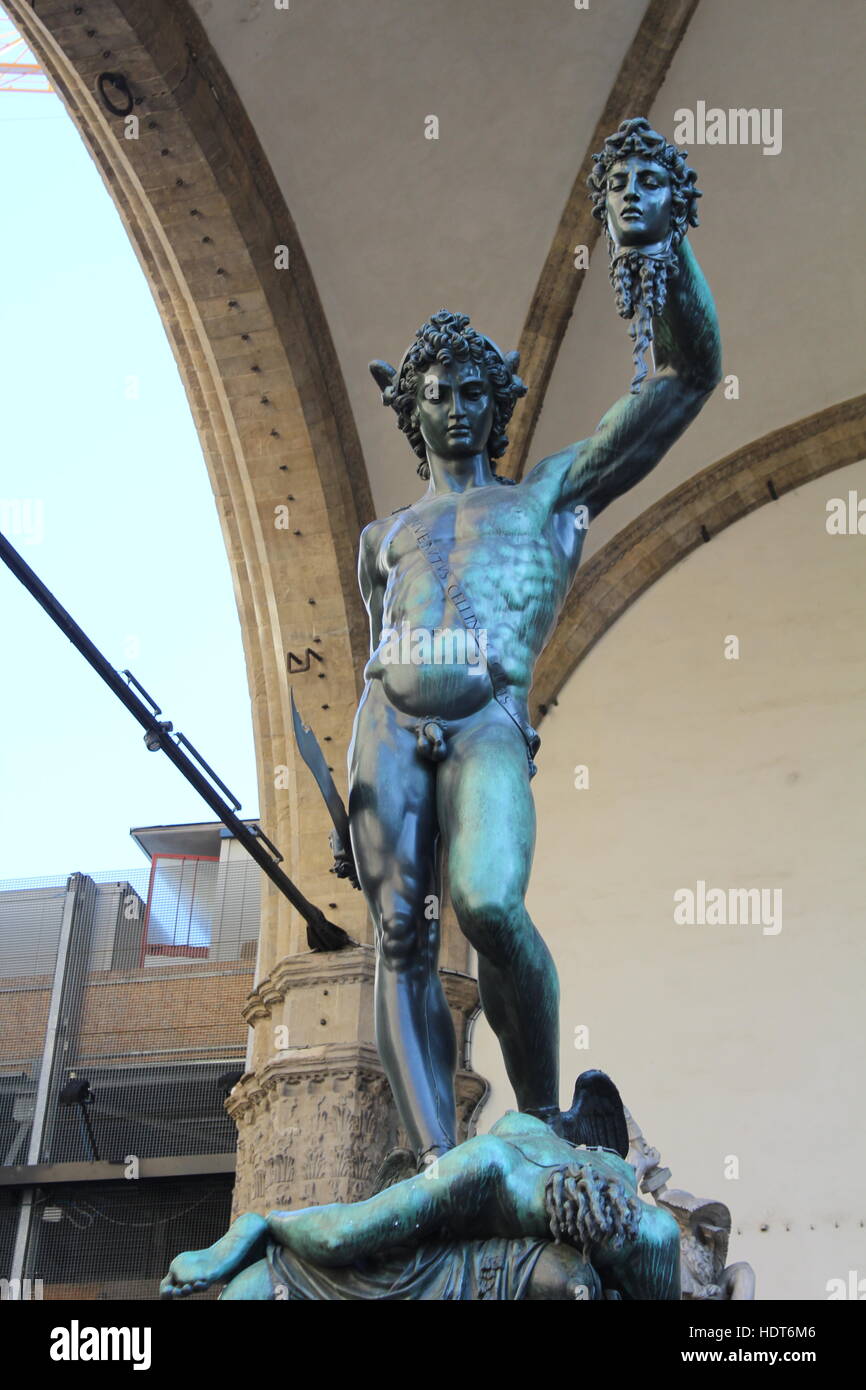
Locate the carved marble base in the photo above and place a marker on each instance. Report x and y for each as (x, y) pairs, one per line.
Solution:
(315, 1124)
(315, 1121)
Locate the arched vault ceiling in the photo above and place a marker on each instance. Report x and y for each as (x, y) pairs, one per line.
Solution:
(395, 225)
(780, 241)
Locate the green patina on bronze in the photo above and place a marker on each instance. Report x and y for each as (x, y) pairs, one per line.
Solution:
(439, 787)
(442, 752)
(519, 1213)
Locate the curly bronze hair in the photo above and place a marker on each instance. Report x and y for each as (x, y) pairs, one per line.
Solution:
(640, 282)
(637, 137)
(445, 338)
(586, 1210)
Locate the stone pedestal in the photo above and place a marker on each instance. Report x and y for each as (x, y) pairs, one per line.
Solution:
(316, 1118)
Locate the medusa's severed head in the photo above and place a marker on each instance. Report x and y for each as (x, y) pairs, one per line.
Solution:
(645, 194)
(448, 342)
(636, 140)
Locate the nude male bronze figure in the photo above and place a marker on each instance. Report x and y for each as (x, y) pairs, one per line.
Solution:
(442, 751)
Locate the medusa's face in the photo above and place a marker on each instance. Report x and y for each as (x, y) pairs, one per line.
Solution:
(455, 408)
(638, 198)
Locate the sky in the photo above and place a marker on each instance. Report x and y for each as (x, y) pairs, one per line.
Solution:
(104, 491)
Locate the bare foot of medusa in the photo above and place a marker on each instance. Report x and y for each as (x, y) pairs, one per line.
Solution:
(191, 1272)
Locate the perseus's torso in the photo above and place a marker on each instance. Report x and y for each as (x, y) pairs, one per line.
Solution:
(512, 555)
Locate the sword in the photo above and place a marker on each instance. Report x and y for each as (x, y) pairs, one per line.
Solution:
(322, 935)
(341, 845)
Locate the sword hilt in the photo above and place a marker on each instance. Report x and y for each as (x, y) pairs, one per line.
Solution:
(344, 860)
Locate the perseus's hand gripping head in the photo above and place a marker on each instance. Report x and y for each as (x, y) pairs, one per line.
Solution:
(645, 195)
(448, 338)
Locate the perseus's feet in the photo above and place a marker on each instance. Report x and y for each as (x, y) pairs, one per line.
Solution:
(402, 1164)
(395, 1167)
(428, 1158)
(551, 1115)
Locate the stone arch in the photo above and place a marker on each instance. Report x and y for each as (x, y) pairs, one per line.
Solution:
(204, 213)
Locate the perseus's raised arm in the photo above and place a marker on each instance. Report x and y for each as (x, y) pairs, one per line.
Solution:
(638, 430)
(644, 192)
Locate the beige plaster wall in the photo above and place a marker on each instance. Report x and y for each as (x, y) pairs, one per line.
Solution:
(724, 1040)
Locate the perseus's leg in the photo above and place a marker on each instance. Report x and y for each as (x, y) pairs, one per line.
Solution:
(487, 821)
(394, 833)
(465, 1193)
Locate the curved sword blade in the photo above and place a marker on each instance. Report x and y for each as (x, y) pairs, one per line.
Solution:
(308, 747)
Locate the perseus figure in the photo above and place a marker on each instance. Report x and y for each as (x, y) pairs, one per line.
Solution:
(443, 750)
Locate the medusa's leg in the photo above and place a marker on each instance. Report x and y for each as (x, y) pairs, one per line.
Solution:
(252, 1284)
(463, 1193)
(244, 1242)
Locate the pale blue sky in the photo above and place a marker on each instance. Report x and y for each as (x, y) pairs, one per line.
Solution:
(128, 538)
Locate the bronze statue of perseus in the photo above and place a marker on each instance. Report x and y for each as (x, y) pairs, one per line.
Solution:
(443, 750)
(463, 590)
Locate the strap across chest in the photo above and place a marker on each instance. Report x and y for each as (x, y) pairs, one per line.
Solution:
(457, 596)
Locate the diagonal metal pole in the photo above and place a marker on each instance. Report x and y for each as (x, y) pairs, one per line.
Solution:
(322, 935)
